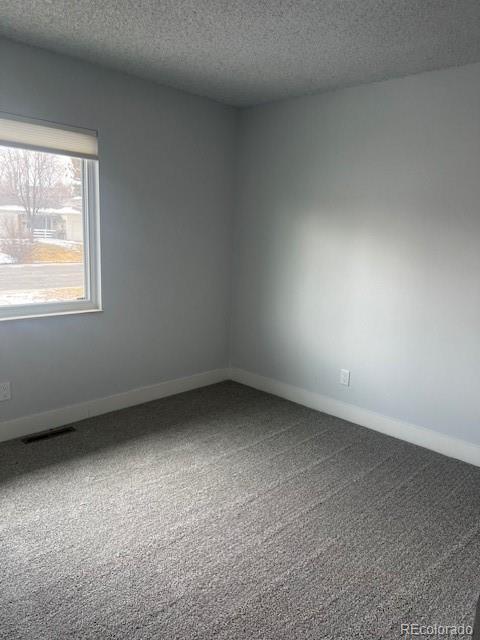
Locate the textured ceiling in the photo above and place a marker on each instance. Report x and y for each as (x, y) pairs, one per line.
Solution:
(252, 51)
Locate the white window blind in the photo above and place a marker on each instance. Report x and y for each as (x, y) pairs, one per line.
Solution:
(43, 136)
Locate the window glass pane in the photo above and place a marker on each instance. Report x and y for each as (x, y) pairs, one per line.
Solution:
(41, 227)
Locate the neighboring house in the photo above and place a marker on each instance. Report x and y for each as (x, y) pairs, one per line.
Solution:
(73, 221)
(64, 223)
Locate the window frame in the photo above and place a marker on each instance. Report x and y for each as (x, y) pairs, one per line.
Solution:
(91, 252)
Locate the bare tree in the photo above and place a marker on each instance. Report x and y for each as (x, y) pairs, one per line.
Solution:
(33, 179)
(76, 176)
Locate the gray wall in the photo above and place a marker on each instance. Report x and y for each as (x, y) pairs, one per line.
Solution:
(356, 242)
(166, 169)
(357, 245)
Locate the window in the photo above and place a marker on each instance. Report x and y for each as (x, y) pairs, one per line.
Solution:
(49, 236)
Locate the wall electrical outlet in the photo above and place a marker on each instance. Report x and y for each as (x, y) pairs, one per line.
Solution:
(345, 377)
(4, 391)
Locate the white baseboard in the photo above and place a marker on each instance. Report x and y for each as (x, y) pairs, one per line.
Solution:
(58, 417)
(452, 447)
(439, 442)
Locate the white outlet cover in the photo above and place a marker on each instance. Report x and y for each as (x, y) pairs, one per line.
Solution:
(345, 377)
(4, 391)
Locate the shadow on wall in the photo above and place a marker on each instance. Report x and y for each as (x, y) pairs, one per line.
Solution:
(349, 287)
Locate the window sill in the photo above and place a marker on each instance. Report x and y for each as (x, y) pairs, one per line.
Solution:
(26, 312)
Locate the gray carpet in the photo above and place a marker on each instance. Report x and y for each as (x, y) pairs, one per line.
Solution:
(226, 513)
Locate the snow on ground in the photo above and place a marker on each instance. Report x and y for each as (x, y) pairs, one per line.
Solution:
(5, 258)
(68, 244)
(9, 298)
(28, 265)
(35, 296)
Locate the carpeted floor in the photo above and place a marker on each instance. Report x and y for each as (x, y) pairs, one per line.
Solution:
(226, 513)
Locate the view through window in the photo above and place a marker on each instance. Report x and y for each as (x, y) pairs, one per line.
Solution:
(41, 227)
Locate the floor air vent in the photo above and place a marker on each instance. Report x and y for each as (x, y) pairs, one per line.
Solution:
(44, 435)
